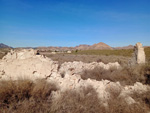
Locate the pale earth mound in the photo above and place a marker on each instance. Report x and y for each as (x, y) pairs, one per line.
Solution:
(25, 64)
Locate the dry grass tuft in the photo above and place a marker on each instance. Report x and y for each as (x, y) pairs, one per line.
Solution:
(3, 52)
(125, 75)
(87, 101)
(120, 106)
(84, 101)
(142, 98)
(24, 96)
(61, 58)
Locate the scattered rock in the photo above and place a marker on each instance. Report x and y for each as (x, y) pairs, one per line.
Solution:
(77, 67)
(68, 51)
(26, 64)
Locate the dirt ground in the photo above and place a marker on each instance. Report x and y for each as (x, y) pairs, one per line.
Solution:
(61, 58)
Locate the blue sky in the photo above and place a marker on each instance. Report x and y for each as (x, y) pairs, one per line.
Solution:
(72, 22)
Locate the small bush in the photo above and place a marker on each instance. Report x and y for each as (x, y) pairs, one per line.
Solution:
(61, 58)
(3, 52)
(125, 75)
(87, 101)
(83, 101)
(24, 96)
(120, 106)
(142, 98)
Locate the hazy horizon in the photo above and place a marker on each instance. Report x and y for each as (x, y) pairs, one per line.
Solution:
(68, 23)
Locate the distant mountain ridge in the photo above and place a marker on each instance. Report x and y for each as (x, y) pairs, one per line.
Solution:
(4, 46)
(125, 47)
(82, 47)
(100, 46)
(97, 46)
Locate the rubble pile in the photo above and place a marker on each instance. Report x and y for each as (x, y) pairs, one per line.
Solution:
(26, 64)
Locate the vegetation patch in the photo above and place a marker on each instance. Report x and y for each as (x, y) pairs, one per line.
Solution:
(121, 52)
(127, 75)
(24, 96)
(3, 52)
